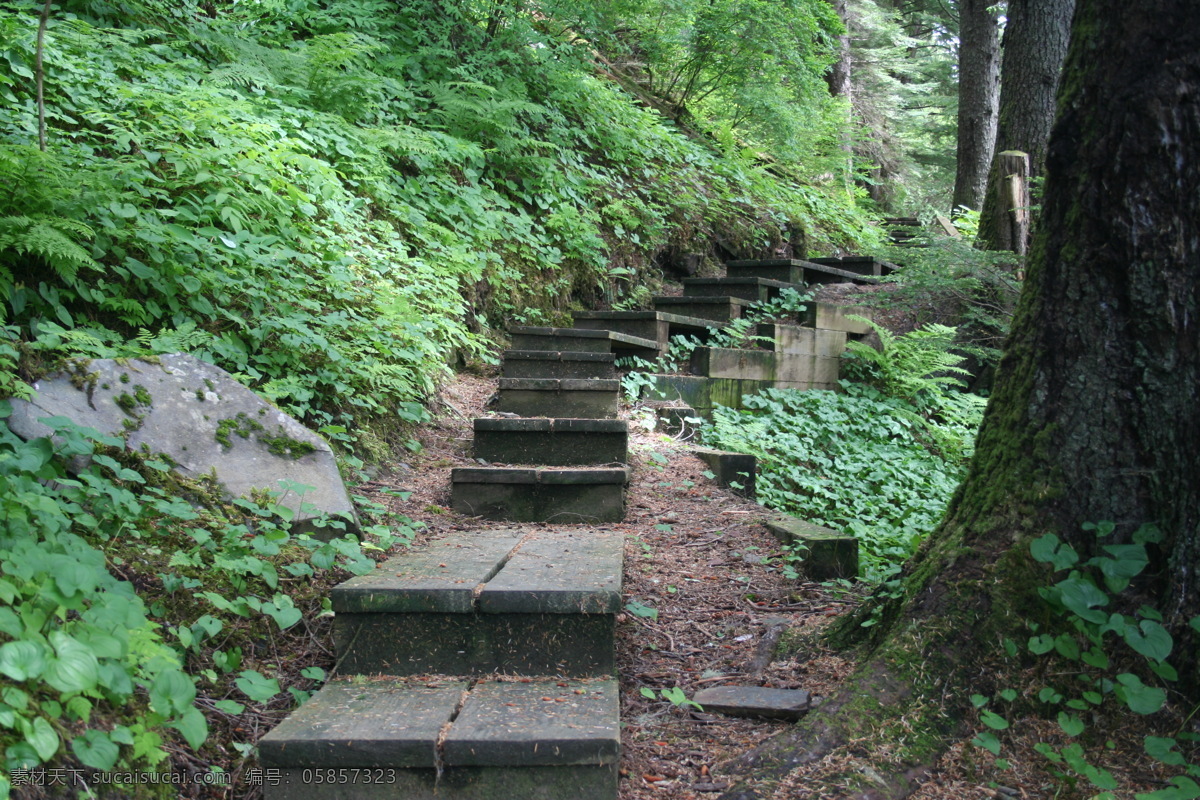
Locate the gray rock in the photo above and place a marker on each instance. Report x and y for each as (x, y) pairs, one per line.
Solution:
(201, 419)
(755, 701)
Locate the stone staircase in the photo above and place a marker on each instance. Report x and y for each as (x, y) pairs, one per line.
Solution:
(482, 665)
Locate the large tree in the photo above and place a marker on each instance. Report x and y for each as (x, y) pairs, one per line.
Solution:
(1035, 44)
(1094, 417)
(978, 99)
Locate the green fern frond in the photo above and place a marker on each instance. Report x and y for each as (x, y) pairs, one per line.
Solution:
(52, 239)
(912, 367)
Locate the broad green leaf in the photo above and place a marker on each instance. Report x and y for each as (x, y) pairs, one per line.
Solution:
(1152, 640)
(988, 741)
(1184, 789)
(1140, 698)
(993, 720)
(229, 706)
(1162, 748)
(22, 660)
(42, 737)
(1071, 724)
(96, 749)
(641, 610)
(172, 692)
(74, 668)
(193, 726)
(256, 687)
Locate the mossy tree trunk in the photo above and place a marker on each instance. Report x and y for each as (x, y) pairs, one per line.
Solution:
(978, 99)
(1094, 416)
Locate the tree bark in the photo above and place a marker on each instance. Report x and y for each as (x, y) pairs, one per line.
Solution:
(1035, 44)
(838, 76)
(978, 99)
(1094, 416)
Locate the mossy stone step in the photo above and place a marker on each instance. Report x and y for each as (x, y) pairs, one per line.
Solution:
(834, 318)
(859, 265)
(723, 309)
(448, 739)
(565, 397)
(764, 365)
(753, 289)
(795, 271)
(563, 495)
(552, 441)
(557, 364)
(581, 340)
(830, 554)
(656, 325)
(535, 602)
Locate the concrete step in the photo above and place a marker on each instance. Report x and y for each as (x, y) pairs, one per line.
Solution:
(566, 397)
(754, 289)
(794, 270)
(538, 602)
(656, 325)
(448, 739)
(794, 340)
(555, 364)
(582, 340)
(832, 317)
(860, 265)
(554, 442)
(721, 310)
(563, 495)
(806, 371)
(828, 555)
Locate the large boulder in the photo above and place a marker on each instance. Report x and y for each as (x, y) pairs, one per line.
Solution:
(203, 420)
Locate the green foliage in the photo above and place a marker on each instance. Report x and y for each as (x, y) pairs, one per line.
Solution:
(856, 461)
(81, 648)
(1081, 646)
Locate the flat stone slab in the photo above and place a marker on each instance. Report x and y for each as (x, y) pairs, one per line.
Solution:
(731, 468)
(794, 340)
(557, 364)
(764, 365)
(495, 572)
(559, 572)
(399, 723)
(537, 723)
(718, 309)
(391, 722)
(755, 701)
(441, 576)
(551, 441)
(830, 554)
(578, 340)
(861, 265)
(834, 317)
(656, 325)
(203, 420)
(796, 271)
(754, 289)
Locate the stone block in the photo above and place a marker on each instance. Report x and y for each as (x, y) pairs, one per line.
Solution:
(552, 364)
(538, 602)
(755, 701)
(387, 737)
(581, 340)
(788, 270)
(557, 397)
(795, 340)
(555, 442)
(717, 309)
(752, 289)
(657, 325)
(731, 468)
(544, 495)
(203, 421)
(859, 265)
(830, 554)
(834, 317)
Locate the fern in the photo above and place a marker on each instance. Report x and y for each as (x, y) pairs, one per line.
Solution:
(54, 240)
(914, 367)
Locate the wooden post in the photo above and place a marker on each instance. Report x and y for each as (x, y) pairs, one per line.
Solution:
(1013, 229)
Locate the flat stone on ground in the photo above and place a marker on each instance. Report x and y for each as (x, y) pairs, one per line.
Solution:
(755, 701)
(559, 572)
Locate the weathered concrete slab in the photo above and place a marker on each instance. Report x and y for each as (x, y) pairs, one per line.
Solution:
(860, 265)
(721, 310)
(441, 576)
(833, 317)
(540, 722)
(202, 420)
(551, 364)
(559, 572)
(778, 369)
(582, 340)
(795, 271)
(831, 554)
(546, 495)
(552, 441)
(731, 468)
(794, 340)
(753, 289)
(374, 723)
(755, 701)
(656, 325)
(555, 397)
(378, 739)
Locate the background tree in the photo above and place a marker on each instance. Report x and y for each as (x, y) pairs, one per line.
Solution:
(1094, 415)
(978, 99)
(1035, 44)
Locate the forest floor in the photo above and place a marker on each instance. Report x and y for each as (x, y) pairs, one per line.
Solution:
(697, 554)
